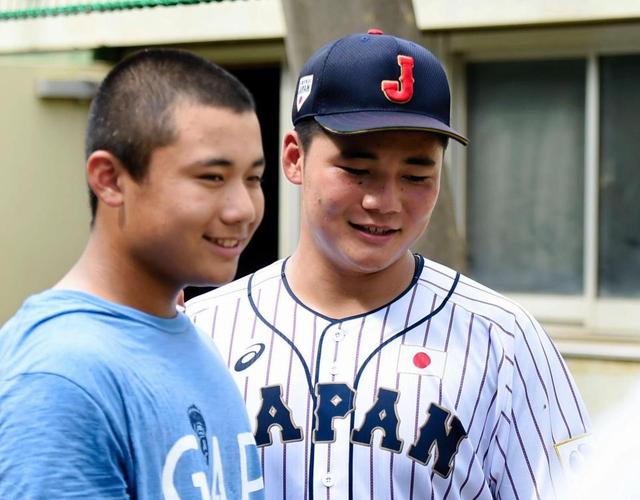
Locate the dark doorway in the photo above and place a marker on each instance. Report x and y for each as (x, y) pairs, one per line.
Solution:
(264, 84)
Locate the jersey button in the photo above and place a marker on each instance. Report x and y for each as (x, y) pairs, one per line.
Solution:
(328, 480)
(339, 335)
(335, 369)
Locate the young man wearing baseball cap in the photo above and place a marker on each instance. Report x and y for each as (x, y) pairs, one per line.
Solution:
(106, 391)
(373, 372)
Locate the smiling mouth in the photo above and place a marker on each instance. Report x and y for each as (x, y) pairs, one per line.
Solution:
(373, 229)
(224, 242)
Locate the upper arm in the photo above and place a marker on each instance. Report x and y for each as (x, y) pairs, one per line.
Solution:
(56, 442)
(546, 413)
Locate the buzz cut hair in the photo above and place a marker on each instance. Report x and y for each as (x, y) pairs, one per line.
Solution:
(133, 111)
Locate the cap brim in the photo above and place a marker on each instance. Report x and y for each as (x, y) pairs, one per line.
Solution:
(371, 121)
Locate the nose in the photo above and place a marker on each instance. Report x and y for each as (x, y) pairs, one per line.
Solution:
(240, 205)
(383, 197)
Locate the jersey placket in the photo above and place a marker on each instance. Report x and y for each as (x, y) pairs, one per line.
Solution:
(331, 478)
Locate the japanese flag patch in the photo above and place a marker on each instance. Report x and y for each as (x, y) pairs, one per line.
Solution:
(304, 89)
(419, 360)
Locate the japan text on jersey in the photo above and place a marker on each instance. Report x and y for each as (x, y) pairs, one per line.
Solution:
(449, 391)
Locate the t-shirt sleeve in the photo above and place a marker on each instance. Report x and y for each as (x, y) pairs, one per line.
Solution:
(548, 420)
(56, 442)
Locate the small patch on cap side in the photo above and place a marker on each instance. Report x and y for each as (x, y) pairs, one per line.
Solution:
(304, 89)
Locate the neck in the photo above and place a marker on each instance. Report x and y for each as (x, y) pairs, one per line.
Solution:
(110, 275)
(337, 293)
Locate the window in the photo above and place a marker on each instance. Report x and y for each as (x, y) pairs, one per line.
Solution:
(619, 186)
(526, 166)
(553, 186)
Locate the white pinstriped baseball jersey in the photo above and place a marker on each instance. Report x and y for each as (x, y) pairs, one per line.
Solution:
(450, 391)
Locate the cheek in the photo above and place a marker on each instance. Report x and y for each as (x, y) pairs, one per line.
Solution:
(337, 197)
(332, 192)
(421, 205)
(329, 207)
(258, 205)
(329, 197)
(169, 203)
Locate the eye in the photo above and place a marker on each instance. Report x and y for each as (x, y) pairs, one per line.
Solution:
(356, 172)
(211, 177)
(257, 179)
(416, 178)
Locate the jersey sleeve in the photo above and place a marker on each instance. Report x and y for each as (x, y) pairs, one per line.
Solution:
(56, 442)
(547, 419)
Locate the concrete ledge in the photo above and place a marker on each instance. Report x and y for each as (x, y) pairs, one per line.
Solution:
(210, 22)
(432, 15)
(597, 347)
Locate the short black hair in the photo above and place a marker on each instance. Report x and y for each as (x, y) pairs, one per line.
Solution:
(133, 111)
(308, 128)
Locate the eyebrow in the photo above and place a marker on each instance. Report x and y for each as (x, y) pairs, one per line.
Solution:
(349, 154)
(421, 160)
(223, 162)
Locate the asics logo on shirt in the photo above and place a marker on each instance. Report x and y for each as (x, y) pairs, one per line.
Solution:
(248, 358)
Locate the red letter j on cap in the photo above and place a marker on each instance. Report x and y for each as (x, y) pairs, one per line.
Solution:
(400, 91)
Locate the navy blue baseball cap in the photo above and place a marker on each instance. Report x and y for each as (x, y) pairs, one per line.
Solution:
(372, 81)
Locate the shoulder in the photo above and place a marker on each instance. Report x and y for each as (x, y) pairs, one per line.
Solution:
(53, 335)
(235, 291)
(486, 304)
(220, 295)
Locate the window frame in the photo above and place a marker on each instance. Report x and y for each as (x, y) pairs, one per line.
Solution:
(584, 318)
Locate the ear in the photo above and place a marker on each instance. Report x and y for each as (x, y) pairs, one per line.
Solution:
(292, 157)
(104, 173)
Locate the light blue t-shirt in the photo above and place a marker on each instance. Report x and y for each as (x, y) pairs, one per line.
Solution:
(99, 400)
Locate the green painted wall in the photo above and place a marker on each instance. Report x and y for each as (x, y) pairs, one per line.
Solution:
(44, 215)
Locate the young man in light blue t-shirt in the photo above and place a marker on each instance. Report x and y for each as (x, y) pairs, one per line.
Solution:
(106, 391)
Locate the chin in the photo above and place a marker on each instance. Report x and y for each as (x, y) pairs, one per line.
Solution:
(373, 269)
(223, 280)
(368, 267)
(218, 278)
(374, 264)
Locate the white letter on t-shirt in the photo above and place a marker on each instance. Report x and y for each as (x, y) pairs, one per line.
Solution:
(183, 444)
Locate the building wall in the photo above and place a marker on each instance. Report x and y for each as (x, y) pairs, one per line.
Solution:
(43, 200)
